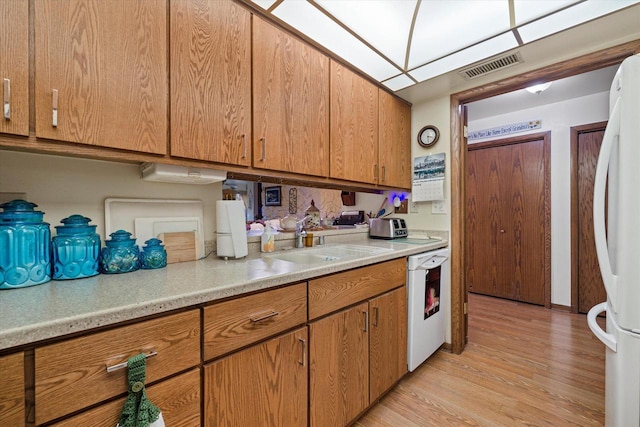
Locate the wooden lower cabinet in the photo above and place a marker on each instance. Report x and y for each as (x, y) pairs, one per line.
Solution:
(12, 411)
(178, 398)
(355, 355)
(263, 385)
(339, 367)
(387, 341)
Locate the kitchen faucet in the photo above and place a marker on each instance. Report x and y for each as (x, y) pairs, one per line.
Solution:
(301, 232)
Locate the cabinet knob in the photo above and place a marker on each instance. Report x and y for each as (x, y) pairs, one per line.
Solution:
(502, 231)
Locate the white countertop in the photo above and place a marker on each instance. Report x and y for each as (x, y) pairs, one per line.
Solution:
(58, 308)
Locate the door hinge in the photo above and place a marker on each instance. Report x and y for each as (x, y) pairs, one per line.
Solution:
(465, 132)
(465, 308)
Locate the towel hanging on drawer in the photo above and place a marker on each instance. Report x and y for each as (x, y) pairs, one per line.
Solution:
(138, 411)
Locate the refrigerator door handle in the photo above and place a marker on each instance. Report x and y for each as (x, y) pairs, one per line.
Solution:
(600, 186)
(608, 339)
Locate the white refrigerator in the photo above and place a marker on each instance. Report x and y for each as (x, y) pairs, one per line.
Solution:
(618, 246)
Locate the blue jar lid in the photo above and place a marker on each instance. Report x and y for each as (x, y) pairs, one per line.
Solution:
(153, 243)
(20, 211)
(120, 238)
(76, 225)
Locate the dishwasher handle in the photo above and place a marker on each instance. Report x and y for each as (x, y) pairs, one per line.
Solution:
(432, 262)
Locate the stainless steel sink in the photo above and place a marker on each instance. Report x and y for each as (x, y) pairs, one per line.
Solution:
(326, 253)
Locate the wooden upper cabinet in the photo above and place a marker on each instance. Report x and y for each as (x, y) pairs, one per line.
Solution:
(395, 142)
(354, 126)
(101, 73)
(14, 66)
(290, 103)
(211, 81)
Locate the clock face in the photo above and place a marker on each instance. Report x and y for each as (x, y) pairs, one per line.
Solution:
(428, 136)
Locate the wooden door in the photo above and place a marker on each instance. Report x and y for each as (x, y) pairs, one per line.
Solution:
(387, 341)
(395, 141)
(290, 103)
(14, 66)
(104, 64)
(507, 219)
(264, 385)
(211, 81)
(586, 141)
(354, 126)
(339, 367)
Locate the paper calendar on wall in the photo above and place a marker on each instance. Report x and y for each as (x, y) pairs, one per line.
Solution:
(428, 178)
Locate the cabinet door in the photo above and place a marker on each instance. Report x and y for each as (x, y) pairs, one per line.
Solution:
(211, 81)
(395, 141)
(339, 367)
(14, 66)
(101, 73)
(264, 385)
(12, 390)
(354, 126)
(290, 104)
(388, 340)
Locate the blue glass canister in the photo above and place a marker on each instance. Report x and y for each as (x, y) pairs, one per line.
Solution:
(120, 255)
(75, 249)
(25, 239)
(153, 254)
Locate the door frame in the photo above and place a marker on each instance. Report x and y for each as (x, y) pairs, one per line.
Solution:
(546, 138)
(575, 133)
(582, 64)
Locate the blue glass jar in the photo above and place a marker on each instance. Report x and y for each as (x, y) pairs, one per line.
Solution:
(25, 239)
(75, 249)
(120, 255)
(153, 254)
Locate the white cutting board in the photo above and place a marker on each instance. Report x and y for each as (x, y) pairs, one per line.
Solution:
(121, 213)
(146, 228)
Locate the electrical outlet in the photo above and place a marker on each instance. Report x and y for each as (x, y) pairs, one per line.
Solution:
(414, 207)
(403, 208)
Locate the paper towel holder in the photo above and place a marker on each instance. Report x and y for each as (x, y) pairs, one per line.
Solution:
(158, 172)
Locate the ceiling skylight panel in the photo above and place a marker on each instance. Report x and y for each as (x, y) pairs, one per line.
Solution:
(383, 24)
(443, 27)
(570, 17)
(465, 57)
(398, 82)
(310, 21)
(527, 10)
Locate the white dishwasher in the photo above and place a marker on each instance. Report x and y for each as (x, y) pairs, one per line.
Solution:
(428, 292)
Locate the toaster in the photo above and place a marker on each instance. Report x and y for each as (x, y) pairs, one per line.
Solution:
(387, 228)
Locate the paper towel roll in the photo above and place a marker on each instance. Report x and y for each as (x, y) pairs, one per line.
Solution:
(231, 229)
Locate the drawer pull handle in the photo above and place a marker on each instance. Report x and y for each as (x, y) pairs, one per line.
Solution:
(260, 318)
(124, 364)
(366, 321)
(376, 316)
(7, 99)
(54, 101)
(304, 351)
(244, 145)
(384, 173)
(264, 149)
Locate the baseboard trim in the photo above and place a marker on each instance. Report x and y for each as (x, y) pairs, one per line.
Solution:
(561, 307)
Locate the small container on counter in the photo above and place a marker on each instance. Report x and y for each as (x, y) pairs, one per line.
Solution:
(153, 255)
(120, 255)
(25, 241)
(76, 249)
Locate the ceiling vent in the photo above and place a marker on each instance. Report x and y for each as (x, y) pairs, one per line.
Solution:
(491, 65)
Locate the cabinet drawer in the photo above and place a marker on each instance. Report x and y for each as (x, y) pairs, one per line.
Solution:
(331, 293)
(12, 390)
(178, 398)
(71, 375)
(234, 324)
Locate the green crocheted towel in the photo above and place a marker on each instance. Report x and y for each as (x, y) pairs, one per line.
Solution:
(138, 411)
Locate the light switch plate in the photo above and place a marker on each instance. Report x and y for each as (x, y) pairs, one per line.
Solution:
(414, 207)
(438, 207)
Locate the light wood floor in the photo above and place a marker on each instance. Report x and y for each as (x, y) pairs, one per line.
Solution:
(523, 366)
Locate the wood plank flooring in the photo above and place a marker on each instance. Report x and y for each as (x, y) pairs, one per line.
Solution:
(524, 365)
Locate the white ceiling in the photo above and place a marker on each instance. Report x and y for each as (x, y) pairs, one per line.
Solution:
(401, 43)
(560, 90)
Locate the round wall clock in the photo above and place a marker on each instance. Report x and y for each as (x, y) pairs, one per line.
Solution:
(428, 136)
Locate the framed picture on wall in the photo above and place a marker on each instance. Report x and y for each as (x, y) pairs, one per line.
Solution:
(273, 196)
